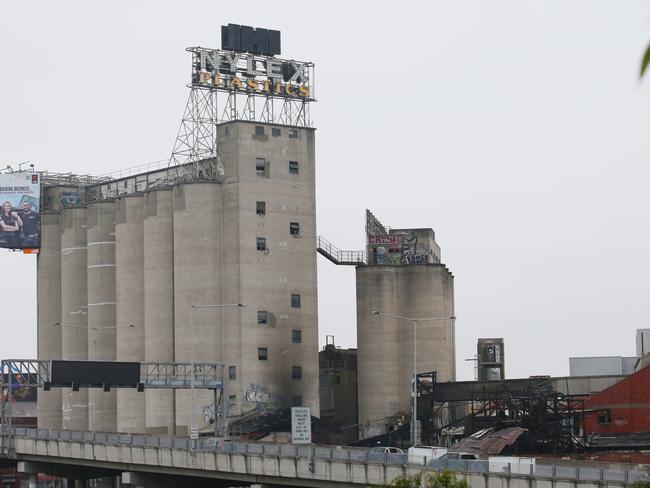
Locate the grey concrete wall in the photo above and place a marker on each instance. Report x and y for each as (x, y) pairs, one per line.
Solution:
(49, 313)
(602, 365)
(158, 270)
(101, 308)
(129, 257)
(288, 266)
(229, 229)
(74, 311)
(196, 282)
(378, 343)
(198, 247)
(385, 345)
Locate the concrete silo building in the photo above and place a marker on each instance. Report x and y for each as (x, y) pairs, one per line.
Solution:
(133, 265)
(403, 277)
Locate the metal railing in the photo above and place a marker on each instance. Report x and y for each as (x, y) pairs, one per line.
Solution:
(333, 453)
(136, 170)
(338, 256)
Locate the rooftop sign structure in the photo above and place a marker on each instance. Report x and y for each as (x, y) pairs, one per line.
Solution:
(233, 71)
(247, 39)
(244, 80)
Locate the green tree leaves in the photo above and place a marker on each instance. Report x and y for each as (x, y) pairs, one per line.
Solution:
(445, 479)
(645, 62)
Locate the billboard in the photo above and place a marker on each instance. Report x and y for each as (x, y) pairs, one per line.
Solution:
(20, 221)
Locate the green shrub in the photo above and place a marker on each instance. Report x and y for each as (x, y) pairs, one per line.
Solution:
(643, 483)
(445, 479)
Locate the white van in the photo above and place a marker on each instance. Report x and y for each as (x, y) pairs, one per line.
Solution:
(417, 454)
(512, 464)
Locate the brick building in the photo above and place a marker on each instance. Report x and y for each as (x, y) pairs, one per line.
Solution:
(622, 408)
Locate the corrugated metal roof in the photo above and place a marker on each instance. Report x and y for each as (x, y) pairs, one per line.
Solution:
(491, 443)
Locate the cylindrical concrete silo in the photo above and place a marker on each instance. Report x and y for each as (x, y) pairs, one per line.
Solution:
(385, 344)
(427, 292)
(101, 308)
(197, 267)
(378, 340)
(129, 257)
(159, 303)
(74, 309)
(49, 313)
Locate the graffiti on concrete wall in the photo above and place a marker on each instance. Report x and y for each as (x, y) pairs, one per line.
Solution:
(208, 413)
(69, 199)
(397, 249)
(409, 259)
(258, 394)
(394, 247)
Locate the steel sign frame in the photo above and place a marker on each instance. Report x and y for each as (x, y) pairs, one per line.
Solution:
(223, 70)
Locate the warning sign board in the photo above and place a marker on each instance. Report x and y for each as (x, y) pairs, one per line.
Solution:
(301, 425)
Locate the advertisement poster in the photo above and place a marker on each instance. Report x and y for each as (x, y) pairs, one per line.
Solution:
(20, 221)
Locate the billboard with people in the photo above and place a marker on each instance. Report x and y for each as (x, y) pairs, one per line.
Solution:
(20, 220)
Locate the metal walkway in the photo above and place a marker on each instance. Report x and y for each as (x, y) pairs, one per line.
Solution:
(337, 256)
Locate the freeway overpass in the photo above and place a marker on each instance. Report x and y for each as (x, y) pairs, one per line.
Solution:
(160, 462)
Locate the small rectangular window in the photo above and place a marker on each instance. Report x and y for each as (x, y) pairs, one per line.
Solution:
(232, 372)
(261, 243)
(259, 130)
(295, 301)
(604, 417)
(293, 134)
(226, 130)
(262, 353)
(260, 208)
(275, 132)
(232, 400)
(296, 373)
(262, 317)
(296, 336)
(260, 166)
(293, 167)
(294, 229)
(296, 401)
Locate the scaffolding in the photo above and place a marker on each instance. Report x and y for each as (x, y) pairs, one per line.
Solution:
(554, 421)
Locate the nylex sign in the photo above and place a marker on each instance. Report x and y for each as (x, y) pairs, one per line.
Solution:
(263, 75)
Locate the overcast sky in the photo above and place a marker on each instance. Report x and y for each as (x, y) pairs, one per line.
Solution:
(518, 130)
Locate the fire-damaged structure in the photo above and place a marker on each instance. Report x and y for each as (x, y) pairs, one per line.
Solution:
(552, 421)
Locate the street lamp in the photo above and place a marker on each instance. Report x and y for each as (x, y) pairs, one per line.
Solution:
(110, 328)
(192, 308)
(414, 321)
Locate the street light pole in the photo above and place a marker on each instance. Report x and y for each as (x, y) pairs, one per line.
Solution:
(415, 382)
(414, 392)
(192, 363)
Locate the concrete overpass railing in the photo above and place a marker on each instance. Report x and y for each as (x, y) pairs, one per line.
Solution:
(284, 464)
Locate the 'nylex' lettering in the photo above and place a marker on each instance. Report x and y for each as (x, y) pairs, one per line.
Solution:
(235, 71)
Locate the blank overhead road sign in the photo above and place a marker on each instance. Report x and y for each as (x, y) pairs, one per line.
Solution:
(48, 374)
(32, 372)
